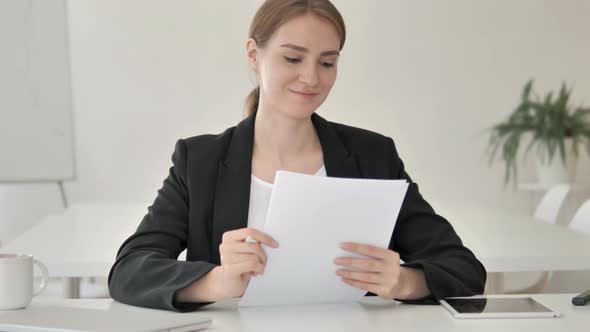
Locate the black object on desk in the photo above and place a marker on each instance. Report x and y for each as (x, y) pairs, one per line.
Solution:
(582, 299)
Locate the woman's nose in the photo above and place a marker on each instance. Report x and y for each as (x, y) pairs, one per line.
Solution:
(310, 75)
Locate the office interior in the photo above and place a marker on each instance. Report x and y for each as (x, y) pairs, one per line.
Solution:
(433, 75)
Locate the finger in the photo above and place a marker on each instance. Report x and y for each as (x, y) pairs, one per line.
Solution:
(365, 249)
(245, 248)
(235, 258)
(367, 277)
(367, 264)
(247, 267)
(242, 234)
(373, 288)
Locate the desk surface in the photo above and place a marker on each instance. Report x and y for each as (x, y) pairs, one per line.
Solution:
(513, 243)
(371, 314)
(537, 186)
(83, 241)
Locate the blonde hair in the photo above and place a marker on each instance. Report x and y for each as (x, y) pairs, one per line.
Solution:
(274, 13)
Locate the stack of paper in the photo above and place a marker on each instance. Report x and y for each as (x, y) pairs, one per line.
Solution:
(310, 216)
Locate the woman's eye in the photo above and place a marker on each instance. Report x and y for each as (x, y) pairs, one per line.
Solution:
(327, 64)
(292, 60)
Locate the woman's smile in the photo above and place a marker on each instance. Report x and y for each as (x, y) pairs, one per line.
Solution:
(305, 95)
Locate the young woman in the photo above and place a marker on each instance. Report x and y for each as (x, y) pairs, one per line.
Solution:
(216, 194)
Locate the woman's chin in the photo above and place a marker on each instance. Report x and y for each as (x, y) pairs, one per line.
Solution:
(300, 112)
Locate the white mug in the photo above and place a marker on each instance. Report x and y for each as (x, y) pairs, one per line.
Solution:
(16, 280)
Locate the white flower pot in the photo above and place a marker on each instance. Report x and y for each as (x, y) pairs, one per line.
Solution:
(556, 171)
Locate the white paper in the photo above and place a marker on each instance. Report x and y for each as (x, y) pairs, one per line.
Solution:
(310, 216)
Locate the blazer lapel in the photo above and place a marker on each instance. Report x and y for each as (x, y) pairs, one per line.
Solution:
(232, 192)
(339, 162)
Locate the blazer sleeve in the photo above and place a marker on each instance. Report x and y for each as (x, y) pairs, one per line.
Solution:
(146, 272)
(427, 241)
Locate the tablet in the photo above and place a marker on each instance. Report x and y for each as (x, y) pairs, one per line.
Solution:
(496, 307)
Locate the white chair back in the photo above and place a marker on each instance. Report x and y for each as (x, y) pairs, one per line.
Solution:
(549, 206)
(581, 220)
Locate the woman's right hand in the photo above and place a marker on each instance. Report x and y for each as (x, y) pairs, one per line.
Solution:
(241, 259)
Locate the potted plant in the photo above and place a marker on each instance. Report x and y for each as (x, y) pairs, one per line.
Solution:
(552, 126)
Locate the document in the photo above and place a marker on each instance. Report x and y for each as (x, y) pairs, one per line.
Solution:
(310, 216)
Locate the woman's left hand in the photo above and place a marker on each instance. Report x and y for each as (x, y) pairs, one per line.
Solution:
(378, 274)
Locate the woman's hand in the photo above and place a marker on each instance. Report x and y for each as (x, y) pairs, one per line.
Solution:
(240, 260)
(380, 273)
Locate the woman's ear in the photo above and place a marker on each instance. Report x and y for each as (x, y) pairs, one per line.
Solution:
(251, 53)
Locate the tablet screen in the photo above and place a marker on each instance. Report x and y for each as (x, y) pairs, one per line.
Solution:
(496, 305)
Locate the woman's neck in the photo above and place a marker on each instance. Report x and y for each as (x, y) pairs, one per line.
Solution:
(282, 138)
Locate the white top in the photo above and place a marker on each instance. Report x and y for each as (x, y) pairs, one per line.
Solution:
(260, 197)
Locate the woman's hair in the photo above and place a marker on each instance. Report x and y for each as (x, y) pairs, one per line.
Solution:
(274, 13)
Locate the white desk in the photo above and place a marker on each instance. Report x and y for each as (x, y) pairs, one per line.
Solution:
(372, 314)
(512, 243)
(507, 243)
(542, 187)
(83, 242)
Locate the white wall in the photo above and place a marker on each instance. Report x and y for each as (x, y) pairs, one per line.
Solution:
(431, 74)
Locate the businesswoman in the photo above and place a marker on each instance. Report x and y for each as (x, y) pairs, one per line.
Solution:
(217, 191)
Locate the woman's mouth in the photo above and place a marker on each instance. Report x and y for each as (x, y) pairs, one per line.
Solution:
(307, 95)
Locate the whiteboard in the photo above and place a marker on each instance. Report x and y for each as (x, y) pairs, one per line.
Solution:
(36, 139)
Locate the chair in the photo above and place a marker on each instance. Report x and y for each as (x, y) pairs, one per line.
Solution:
(550, 204)
(547, 212)
(581, 220)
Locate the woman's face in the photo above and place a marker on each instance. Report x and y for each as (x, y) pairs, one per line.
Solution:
(297, 68)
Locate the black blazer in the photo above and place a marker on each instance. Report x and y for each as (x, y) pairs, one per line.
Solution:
(207, 193)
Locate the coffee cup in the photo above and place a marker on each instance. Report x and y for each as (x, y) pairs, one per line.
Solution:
(16, 280)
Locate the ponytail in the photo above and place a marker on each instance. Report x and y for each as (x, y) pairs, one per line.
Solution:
(252, 100)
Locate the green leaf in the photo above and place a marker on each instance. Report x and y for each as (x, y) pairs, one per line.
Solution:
(550, 121)
(526, 91)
